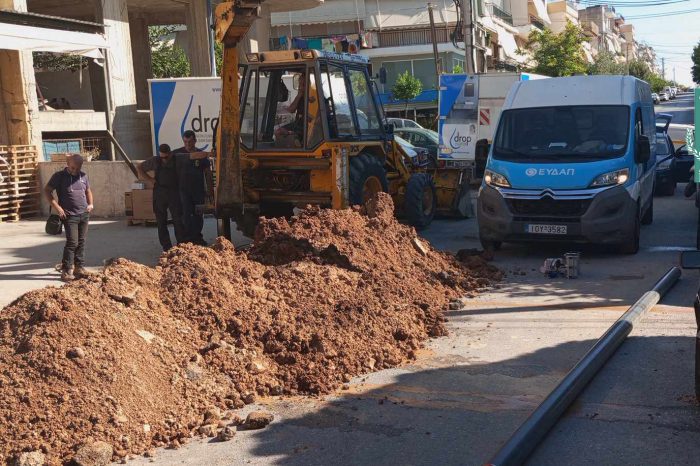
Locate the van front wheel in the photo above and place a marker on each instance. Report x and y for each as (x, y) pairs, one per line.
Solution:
(631, 246)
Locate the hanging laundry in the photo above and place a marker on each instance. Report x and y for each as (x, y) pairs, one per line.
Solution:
(298, 43)
(339, 46)
(314, 44)
(327, 45)
(283, 41)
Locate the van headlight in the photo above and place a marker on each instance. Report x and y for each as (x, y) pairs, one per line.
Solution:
(615, 178)
(495, 179)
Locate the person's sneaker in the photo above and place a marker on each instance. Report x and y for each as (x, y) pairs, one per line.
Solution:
(67, 276)
(81, 272)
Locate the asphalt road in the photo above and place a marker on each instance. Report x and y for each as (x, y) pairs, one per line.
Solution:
(506, 350)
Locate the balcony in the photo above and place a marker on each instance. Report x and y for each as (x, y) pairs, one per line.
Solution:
(590, 29)
(497, 11)
(537, 23)
(411, 37)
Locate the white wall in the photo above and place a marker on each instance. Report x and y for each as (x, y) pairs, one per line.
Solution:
(108, 181)
(67, 84)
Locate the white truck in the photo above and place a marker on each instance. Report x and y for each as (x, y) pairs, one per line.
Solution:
(470, 107)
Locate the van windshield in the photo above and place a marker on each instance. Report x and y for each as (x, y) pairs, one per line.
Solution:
(570, 134)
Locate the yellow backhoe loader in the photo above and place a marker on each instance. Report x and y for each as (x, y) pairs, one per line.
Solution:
(302, 127)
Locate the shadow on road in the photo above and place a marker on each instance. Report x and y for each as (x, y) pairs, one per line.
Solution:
(461, 415)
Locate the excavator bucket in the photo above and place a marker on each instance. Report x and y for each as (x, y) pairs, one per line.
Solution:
(233, 20)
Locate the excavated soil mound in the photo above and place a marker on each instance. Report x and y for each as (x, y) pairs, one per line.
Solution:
(141, 357)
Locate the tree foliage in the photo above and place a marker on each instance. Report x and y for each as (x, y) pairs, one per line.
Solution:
(168, 60)
(457, 69)
(696, 63)
(640, 69)
(605, 63)
(558, 54)
(407, 87)
(48, 61)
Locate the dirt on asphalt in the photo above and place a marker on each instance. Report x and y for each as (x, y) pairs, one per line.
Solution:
(142, 357)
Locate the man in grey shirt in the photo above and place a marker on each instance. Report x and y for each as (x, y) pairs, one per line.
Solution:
(73, 205)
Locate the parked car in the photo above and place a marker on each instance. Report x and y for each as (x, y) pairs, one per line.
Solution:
(419, 156)
(663, 96)
(669, 90)
(421, 137)
(403, 123)
(655, 97)
(665, 184)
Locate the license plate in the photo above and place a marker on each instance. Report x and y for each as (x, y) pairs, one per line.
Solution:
(547, 229)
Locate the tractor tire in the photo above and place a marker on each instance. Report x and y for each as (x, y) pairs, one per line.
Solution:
(367, 177)
(421, 200)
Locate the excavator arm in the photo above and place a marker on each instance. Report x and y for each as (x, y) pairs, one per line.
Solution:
(232, 22)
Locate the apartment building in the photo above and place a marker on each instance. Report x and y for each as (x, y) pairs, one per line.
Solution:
(395, 35)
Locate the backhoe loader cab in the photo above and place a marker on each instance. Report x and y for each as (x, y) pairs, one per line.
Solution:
(312, 131)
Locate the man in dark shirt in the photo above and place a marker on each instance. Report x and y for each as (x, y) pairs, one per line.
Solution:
(195, 183)
(73, 205)
(166, 194)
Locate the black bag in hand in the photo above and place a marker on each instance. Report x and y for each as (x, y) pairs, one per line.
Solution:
(54, 225)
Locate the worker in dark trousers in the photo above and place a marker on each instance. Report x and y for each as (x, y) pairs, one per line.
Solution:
(196, 186)
(166, 194)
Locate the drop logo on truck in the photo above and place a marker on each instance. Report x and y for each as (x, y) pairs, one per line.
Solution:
(550, 172)
(458, 140)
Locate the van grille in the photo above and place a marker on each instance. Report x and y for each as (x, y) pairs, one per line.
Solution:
(549, 207)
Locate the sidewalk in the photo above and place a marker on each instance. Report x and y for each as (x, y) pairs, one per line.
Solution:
(28, 255)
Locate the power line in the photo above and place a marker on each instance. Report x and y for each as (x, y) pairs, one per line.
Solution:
(660, 15)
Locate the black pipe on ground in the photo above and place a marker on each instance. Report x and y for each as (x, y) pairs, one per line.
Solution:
(530, 433)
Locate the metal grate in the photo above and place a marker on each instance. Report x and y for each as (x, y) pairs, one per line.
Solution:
(549, 207)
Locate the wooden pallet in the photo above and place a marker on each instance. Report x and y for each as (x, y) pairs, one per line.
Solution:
(20, 192)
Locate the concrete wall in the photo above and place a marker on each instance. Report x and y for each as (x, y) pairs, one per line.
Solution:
(67, 84)
(108, 181)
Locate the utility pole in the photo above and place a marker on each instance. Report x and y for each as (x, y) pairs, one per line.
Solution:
(663, 68)
(674, 74)
(433, 37)
(468, 19)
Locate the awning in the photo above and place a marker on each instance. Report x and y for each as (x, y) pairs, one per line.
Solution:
(36, 39)
(611, 44)
(541, 8)
(507, 42)
(589, 56)
(336, 11)
(409, 50)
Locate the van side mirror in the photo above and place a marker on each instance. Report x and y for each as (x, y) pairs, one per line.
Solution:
(481, 155)
(382, 75)
(643, 150)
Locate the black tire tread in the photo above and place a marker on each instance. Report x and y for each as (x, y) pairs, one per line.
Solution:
(413, 201)
(363, 166)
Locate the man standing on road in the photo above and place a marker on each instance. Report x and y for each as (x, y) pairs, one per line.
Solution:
(196, 185)
(74, 205)
(166, 194)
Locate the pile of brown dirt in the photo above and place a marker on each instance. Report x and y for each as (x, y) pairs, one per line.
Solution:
(141, 357)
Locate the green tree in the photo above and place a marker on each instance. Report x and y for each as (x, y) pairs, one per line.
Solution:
(696, 64)
(407, 87)
(605, 63)
(457, 69)
(640, 69)
(48, 61)
(168, 60)
(558, 54)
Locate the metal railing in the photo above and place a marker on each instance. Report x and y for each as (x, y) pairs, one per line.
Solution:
(499, 12)
(411, 37)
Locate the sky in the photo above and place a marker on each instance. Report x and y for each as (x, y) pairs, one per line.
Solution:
(672, 36)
